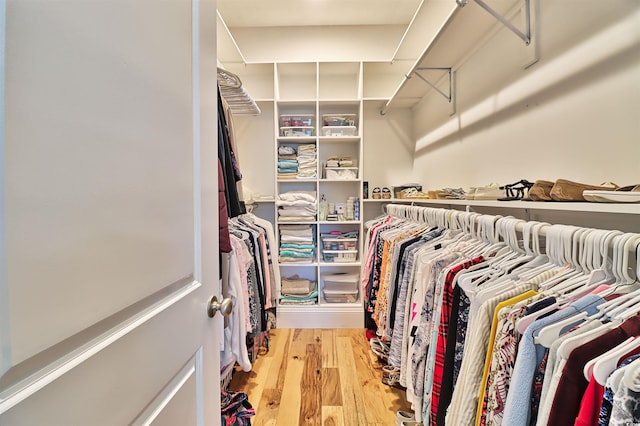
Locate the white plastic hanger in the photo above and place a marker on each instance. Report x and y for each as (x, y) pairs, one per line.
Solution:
(552, 248)
(602, 274)
(583, 237)
(557, 236)
(550, 333)
(551, 240)
(606, 363)
(572, 342)
(594, 263)
(612, 308)
(576, 279)
(630, 283)
(527, 320)
(544, 263)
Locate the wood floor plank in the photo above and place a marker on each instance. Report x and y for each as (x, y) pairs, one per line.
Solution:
(261, 374)
(329, 354)
(332, 416)
(279, 349)
(368, 371)
(352, 403)
(311, 386)
(331, 389)
(375, 404)
(289, 412)
(268, 408)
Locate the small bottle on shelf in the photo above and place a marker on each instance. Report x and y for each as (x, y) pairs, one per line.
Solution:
(356, 209)
(350, 208)
(324, 208)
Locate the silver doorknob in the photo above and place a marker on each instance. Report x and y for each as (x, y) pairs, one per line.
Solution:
(224, 307)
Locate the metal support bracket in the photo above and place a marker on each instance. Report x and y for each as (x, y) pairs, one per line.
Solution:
(525, 36)
(448, 97)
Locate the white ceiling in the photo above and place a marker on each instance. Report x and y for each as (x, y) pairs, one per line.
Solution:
(313, 30)
(285, 13)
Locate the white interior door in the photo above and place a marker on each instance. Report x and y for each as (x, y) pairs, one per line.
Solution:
(108, 213)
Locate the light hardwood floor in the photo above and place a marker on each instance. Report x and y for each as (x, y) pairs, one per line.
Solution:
(319, 377)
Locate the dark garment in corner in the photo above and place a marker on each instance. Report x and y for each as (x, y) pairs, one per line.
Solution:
(225, 155)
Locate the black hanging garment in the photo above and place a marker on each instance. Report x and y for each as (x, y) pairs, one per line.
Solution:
(231, 174)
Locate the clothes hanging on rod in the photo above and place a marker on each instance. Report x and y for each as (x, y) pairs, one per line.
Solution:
(229, 163)
(235, 95)
(252, 283)
(471, 315)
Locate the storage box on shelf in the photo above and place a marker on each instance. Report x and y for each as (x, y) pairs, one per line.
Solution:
(340, 287)
(340, 161)
(333, 120)
(297, 131)
(331, 296)
(340, 256)
(339, 247)
(333, 242)
(339, 131)
(300, 120)
(339, 124)
(341, 173)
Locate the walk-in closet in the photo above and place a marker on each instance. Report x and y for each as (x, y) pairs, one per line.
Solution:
(423, 212)
(455, 208)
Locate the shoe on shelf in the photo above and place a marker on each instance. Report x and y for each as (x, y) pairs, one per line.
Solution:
(566, 190)
(408, 193)
(375, 194)
(517, 191)
(435, 194)
(386, 193)
(624, 194)
(491, 191)
(541, 191)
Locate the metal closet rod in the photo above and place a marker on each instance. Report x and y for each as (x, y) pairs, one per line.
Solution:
(423, 213)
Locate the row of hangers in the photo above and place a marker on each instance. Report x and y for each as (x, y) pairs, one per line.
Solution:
(588, 260)
(587, 249)
(237, 98)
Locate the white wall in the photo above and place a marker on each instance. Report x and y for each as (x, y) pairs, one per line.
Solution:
(575, 114)
(388, 146)
(256, 151)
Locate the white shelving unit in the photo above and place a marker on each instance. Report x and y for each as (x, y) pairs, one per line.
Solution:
(317, 89)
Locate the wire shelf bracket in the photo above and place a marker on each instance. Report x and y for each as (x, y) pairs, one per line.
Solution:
(524, 35)
(449, 96)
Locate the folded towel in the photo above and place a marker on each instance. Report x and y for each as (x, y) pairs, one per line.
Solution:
(286, 150)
